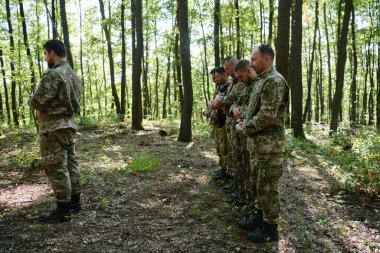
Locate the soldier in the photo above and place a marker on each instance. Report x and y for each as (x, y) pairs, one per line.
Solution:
(233, 92)
(246, 77)
(218, 119)
(265, 129)
(56, 100)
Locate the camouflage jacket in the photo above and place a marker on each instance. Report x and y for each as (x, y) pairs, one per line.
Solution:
(57, 98)
(265, 115)
(234, 92)
(243, 100)
(220, 90)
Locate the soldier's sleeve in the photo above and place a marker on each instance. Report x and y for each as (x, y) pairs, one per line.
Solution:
(45, 92)
(229, 98)
(271, 99)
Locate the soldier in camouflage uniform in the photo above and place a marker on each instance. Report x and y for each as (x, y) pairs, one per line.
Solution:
(246, 77)
(56, 100)
(265, 129)
(233, 92)
(218, 118)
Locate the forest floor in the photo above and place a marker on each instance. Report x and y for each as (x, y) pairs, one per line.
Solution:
(143, 192)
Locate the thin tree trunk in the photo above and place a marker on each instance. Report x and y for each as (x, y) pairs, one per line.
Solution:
(65, 30)
(262, 26)
(177, 60)
(146, 102)
(307, 112)
(104, 75)
(354, 73)
(296, 70)
(81, 58)
(138, 53)
(342, 55)
(123, 84)
(205, 62)
(237, 21)
(38, 55)
(6, 96)
(110, 57)
(13, 74)
(216, 32)
(185, 133)
(167, 85)
(365, 93)
(321, 93)
(328, 62)
(271, 13)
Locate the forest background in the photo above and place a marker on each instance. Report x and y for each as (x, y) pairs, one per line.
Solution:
(151, 60)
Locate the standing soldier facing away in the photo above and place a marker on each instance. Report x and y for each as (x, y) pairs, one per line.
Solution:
(57, 100)
(265, 127)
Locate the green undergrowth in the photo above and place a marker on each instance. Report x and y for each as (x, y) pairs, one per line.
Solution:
(355, 155)
(142, 164)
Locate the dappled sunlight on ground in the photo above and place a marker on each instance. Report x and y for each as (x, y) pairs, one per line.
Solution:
(23, 195)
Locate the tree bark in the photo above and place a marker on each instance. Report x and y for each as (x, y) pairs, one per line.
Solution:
(271, 13)
(237, 21)
(123, 84)
(283, 35)
(328, 61)
(296, 70)
(177, 60)
(206, 63)
(6, 96)
(110, 58)
(342, 55)
(185, 133)
(13, 74)
(65, 30)
(216, 32)
(81, 58)
(138, 53)
(354, 73)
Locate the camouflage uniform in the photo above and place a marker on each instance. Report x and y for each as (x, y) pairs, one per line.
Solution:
(234, 91)
(57, 100)
(218, 120)
(243, 163)
(264, 126)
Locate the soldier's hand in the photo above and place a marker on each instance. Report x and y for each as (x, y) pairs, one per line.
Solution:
(218, 97)
(215, 104)
(252, 73)
(239, 128)
(236, 111)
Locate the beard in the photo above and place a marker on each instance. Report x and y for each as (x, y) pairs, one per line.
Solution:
(50, 64)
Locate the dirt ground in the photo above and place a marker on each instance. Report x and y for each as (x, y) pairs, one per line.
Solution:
(143, 192)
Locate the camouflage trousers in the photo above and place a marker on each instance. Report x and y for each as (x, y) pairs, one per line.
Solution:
(232, 147)
(243, 170)
(266, 171)
(59, 162)
(221, 146)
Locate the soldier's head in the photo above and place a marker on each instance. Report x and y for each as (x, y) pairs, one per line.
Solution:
(54, 50)
(242, 71)
(229, 64)
(212, 73)
(262, 58)
(220, 76)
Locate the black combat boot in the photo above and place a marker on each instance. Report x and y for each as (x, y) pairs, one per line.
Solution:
(61, 214)
(219, 175)
(75, 205)
(268, 233)
(253, 224)
(234, 199)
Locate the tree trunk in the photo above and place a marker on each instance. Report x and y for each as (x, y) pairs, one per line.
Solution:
(282, 41)
(146, 102)
(354, 73)
(177, 60)
(365, 94)
(216, 32)
(237, 21)
(167, 85)
(65, 30)
(123, 84)
(342, 55)
(13, 74)
(110, 58)
(296, 70)
(205, 62)
(371, 102)
(262, 26)
(185, 133)
(81, 58)
(138, 53)
(6, 96)
(321, 93)
(328, 62)
(307, 112)
(271, 13)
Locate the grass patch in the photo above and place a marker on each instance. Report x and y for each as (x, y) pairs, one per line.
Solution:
(142, 164)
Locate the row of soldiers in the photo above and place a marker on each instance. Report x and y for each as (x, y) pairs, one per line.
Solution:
(248, 113)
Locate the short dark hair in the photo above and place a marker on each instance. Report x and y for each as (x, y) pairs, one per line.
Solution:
(242, 64)
(212, 71)
(266, 49)
(220, 70)
(230, 58)
(57, 46)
